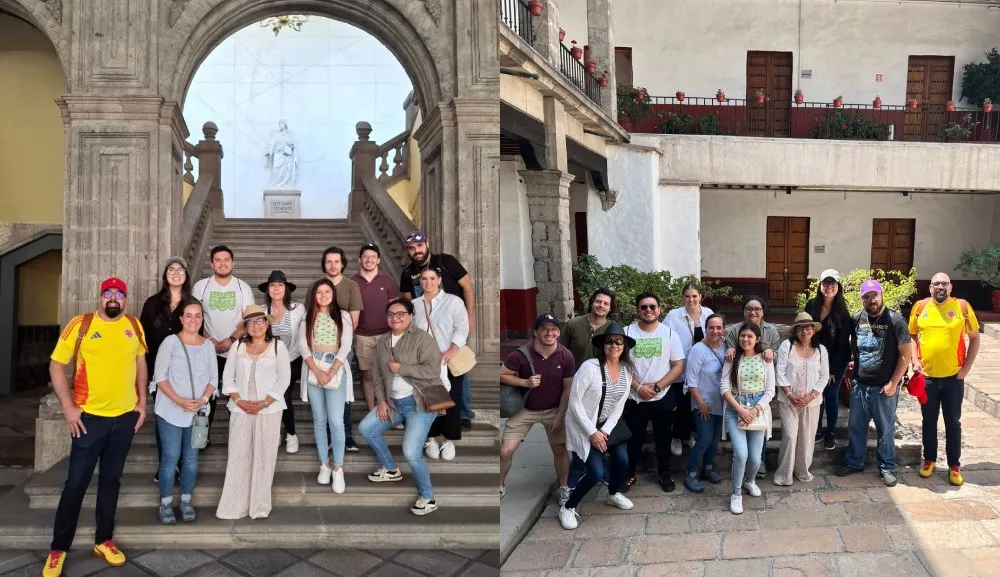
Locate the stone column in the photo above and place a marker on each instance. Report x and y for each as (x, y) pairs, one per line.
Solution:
(210, 164)
(548, 211)
(602, 48)
(547, 32)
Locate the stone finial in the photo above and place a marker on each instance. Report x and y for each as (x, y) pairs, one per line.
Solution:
(363, 129)
(209, 129)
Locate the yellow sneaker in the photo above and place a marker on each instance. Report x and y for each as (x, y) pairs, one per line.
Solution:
(54, 564)
(955, 476)
(110, 553)
(927, 469)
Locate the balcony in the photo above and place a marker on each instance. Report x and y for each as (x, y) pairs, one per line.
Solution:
(515, 14)
(816, 120)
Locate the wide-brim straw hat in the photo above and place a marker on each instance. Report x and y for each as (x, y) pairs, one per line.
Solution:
(254, 311)
(803, 319)
(613, 329)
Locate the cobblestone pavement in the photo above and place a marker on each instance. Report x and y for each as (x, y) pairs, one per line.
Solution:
(266, 563)
(832, 526)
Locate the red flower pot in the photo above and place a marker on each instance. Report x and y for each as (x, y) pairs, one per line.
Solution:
(720, 96)
(799, 99)
(837, 103)
(591, 68)
(950, 106)
(575, 51)
(562, 34)
(988, 107)
(680, 96)
(535, 7)
(603, 81)
(760, 99)
(640, 96)
(912, 104)
(877, 103)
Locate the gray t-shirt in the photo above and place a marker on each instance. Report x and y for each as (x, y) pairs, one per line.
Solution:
(876, 343)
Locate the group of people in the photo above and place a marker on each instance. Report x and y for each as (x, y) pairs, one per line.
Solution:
(191, 344)
(595, 386)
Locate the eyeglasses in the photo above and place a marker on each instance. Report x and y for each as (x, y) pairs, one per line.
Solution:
(255, 322)
(400, 315)
(941, 284)
(176, 270)
(870, 297)
(830, 283)
(616, 342)
(757, 310)
(113, 294)
(648, 307)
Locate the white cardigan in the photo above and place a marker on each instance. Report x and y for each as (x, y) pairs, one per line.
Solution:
(449, 319)
(298, 312)
(819, 373)
(272, 376)
(583, 409)
(346, 340)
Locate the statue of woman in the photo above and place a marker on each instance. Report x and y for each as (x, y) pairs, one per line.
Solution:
(281, 153)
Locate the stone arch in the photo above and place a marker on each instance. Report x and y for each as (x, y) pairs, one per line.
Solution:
(378, 18)
(46, 17)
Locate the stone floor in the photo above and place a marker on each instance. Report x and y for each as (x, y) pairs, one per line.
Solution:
(266, 563)
(832, 526)
(17, 428)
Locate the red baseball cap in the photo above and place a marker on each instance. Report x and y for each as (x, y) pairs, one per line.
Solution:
(114, 282)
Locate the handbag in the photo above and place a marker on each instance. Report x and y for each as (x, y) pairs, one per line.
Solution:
(621, 432)
(464, 359)
(761, 423)
(199, 423)
(436, 397)
(336, 380)
(512, 398)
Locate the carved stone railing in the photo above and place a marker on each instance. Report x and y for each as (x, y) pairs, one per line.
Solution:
(204, 207)
(381, 219)
(399, 148)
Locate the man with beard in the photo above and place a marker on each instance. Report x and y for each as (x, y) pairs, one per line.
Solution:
(455, 280)
(377, 290)
(938, 326)
(578, 332)
(659, 362)
(881, 345)
(348, 296)
(104, 410)
(223, 297)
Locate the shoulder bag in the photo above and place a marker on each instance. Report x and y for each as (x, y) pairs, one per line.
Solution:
(512, 398)
(463, 361)
(436, 397)
(199, 423)
(621, 432)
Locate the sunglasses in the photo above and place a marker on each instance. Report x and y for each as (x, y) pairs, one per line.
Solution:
(255, 322)
(648, 307)
(618, 342)
(113, 294)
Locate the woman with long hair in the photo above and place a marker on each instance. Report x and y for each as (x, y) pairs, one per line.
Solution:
(161, 317)
(324, 341)
(689, 322)
(703, 373)
(803, 371)
(747, 387)
(829, 308)
(288, 315)
(596, 402)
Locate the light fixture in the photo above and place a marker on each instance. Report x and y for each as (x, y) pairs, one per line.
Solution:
(276, 23)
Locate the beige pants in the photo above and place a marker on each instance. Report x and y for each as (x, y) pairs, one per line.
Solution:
(253, 452)
(798, 428)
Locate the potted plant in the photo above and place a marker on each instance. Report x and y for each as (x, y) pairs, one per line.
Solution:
(877, 103)
(535, 7)
(680, 95)
(759, 95)
(838, 102)
(632, 108)
(799, 97)
(592, 66)
(562, 34)
(575, 51)
(950, 106)
(987, 105)
(984, 265)
(912, 103)
(603, 80)
(720, 95)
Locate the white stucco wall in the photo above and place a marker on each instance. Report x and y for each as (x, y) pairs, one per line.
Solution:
(322, 80)
(516, 262)
(700, 46)
(734, 228)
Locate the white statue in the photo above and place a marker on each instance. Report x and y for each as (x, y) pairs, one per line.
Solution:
(281, 154)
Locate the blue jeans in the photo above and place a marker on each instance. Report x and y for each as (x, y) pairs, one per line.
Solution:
(578, 469)
(417, 424)
(746, 444)
(596, 469)
(867, 404)
(328, 408)
(831, 403)
(175, 446)
(709, 434)
(466, 399)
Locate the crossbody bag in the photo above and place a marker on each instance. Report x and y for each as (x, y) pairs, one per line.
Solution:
(199, 423)
(463, 361)
(621, 432)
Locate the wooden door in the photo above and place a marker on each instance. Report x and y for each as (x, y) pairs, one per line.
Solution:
(892, 243)
(772, 73)
(787, 258)
(623, 65)
(929, 81)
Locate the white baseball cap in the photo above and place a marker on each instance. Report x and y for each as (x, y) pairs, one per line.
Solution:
(829, 273)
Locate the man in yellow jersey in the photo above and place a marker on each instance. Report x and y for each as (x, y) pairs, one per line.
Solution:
(939, 325)
(104, 408)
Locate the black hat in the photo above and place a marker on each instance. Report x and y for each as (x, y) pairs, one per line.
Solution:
(545, 318)
(276, 276)
(369, 246)
(613, 329)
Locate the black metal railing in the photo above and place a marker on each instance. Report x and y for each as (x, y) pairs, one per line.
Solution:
(577, 73)
(515, 14)
(820, 120)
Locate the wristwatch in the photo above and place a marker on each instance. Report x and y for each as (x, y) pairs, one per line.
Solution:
(656, 388)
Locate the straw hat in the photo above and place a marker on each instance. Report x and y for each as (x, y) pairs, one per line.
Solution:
(254, 311)
(803, 319)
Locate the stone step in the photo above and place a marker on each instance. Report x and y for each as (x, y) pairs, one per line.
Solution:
(777, 428)
(474, 459)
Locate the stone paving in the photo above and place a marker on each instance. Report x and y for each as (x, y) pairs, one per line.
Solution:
(266, 563)
(833, 526)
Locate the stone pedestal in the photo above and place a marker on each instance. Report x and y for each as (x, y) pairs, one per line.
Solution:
(52, 439)
(282, 203)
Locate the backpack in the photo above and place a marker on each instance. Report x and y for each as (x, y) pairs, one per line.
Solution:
(918, 309)
(512, 398)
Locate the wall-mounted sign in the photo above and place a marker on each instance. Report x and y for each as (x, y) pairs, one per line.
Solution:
(807, 74)
(820, 249)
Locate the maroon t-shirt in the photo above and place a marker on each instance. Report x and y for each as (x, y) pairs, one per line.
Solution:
(560, 365)
(376, 296)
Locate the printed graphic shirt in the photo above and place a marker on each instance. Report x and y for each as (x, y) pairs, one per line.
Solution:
(223, 306)
(409, 280)
(876, 346)
(940, 330)
(652, 355)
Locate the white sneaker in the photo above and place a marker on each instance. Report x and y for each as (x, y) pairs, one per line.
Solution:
(692, 442)
(568, 518)
(619, 500)
(676, 448)
(398, 427)
(423, 507)
(338, 481)
(736, 504)
(564, 493)
(381, 475)
(291, 444)
(432, 450)
(324, 475)
(448, 451)
(752, 488)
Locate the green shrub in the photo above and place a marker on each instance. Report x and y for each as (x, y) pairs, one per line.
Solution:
(680, 123)
(955, 132)
(629, 107)
(897, 288)
(981, 80)
(849, 125)
(981, 264)
(627, 282)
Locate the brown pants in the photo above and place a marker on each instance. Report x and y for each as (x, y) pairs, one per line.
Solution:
(797, 443)
(253, 453)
